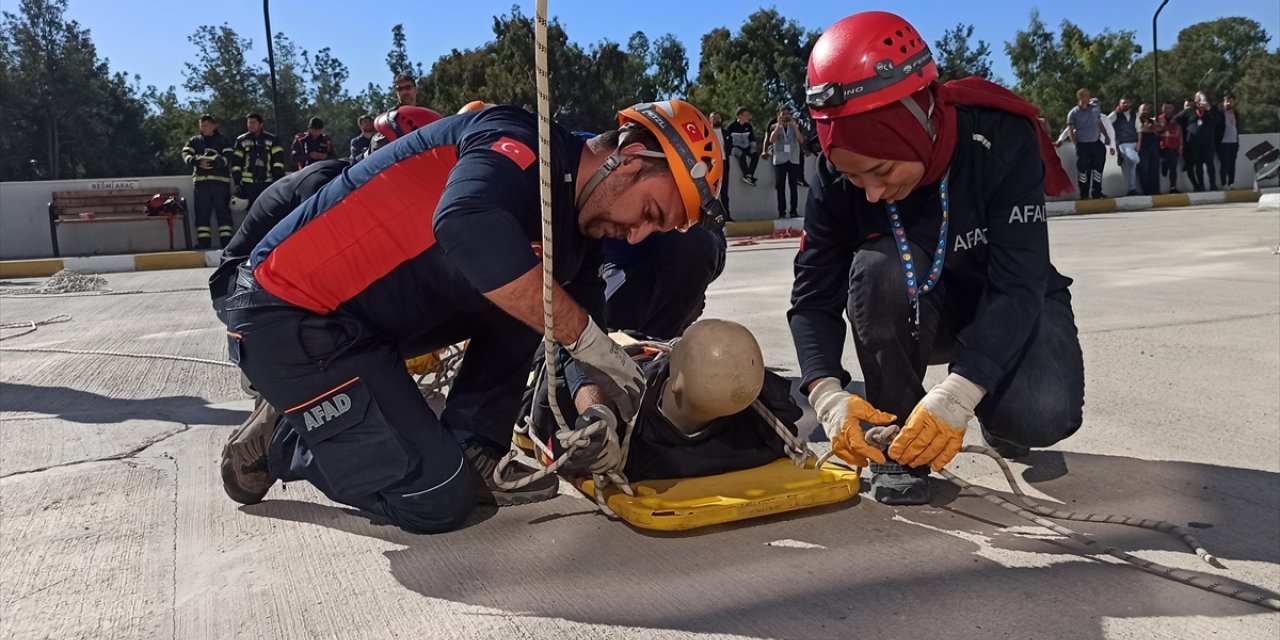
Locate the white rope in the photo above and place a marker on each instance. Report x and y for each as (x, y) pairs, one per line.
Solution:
(31, 325)
(574, 438)
(881, 436)
(117, 354)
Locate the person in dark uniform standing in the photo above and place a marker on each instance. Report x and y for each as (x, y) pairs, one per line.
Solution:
(927, 226)
(210, 157)
(312, 145)
(258, 160)
(322, 319)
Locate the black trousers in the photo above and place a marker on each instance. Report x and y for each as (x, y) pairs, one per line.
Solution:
(1169, 166)
(1227, 152)
(784, 173)
(355, 424)
(1149, 170)
(1091, 157)
(747, 161)
(1039, 402)
(1197, 161)
(666, 292)
(213, 198)
(251, 190)
(724, 187)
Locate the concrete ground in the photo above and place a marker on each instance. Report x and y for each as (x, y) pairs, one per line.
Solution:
(113, 523)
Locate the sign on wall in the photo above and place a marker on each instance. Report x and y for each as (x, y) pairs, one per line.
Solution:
(114, 184)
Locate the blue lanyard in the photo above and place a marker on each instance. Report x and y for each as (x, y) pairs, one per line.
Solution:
(908, 262)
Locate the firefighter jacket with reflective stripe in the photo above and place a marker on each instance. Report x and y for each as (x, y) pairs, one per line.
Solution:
(258, 158)
(215, 148)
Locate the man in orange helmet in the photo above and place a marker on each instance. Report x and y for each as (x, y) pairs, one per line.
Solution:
(433, 241)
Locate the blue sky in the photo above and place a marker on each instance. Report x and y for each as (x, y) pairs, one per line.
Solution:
(359, 33)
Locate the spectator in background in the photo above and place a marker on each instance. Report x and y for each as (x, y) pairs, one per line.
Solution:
(1125, 122)
(1087, 133)
(1200, 133)
(1228, 141)
(742, 145)
(360, 143)
(1170, 145)
(406, 89)
(1148, 149)
(785, 140)
(312, 145)
(258, 160)
(209, 156)
(717, 123)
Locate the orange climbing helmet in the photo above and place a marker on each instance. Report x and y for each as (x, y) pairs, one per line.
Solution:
(692, 150)
(403, 120)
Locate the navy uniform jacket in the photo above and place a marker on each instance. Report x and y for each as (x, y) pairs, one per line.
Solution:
(304, 144)
(197, 148)
(997, 268)
(259, 159)
(275, 203)
(411, 236)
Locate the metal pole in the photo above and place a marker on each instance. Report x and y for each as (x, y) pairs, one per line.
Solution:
(1155, 59)
(271, 64)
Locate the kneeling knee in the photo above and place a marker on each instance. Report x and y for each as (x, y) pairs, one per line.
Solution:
(437, 510)
(1042, 425)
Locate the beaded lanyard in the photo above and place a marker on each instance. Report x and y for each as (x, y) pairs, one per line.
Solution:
(908, 264)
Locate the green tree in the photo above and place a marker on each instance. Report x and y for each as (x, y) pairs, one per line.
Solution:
(958, 59)
(331, 101)
(761, 67)
(293, 72)
(1050, 68)
(1258, 92)
(61, 105)
(223, 82)
(1210, 56)
(398, 57)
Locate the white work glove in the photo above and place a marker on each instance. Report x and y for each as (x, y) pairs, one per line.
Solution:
(598, 453)
(609, 367)
(839, 412)
(935, 429)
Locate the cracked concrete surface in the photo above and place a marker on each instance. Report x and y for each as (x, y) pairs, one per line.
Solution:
(113, 522)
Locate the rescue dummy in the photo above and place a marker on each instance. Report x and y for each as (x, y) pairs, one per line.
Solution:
(695, 418)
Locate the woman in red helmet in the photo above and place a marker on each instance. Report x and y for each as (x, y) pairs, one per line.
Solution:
(927, 224)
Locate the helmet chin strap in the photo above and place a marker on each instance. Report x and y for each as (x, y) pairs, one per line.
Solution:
(924, 119)
(614, 161)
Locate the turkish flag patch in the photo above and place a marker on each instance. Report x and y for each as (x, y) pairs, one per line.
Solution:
(517, 151)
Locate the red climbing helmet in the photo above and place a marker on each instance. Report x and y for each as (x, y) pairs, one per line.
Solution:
(864, 62)
(403, 120)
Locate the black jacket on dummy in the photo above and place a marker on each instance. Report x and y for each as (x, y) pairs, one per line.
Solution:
(658, 449)
(996, 272)
(275, 203)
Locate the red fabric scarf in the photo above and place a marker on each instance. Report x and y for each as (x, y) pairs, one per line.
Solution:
(892, 133)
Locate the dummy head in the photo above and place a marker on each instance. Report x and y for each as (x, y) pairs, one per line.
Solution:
(716, 370)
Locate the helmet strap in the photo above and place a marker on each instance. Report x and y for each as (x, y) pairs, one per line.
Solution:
(924, 119)
(612, 162)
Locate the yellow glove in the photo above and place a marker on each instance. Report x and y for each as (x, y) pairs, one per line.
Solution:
(839, 413)
(935, 429)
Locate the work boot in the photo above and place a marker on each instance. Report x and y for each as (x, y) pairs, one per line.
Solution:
(245, 476)
(1006, 449)
(484, 458)
(894, 484)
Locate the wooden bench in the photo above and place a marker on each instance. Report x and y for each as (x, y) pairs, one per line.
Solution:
(110, 205)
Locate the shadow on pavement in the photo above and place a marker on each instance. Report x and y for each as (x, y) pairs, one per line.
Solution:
(870, 570)
(74, 405)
